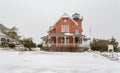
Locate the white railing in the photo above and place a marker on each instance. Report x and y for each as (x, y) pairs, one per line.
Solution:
(67, 44)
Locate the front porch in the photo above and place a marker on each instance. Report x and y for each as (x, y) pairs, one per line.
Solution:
(63, 40)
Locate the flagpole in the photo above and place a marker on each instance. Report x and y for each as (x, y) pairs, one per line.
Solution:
(90, 39)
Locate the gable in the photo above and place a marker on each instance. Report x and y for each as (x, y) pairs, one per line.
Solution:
(65, 21)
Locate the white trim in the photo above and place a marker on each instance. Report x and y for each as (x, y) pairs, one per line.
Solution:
(67, 27)
(74, 22)
(63, 28)
(67, 40)
(56, 40)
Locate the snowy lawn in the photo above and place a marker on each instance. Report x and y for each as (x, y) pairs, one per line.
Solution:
(55, 62)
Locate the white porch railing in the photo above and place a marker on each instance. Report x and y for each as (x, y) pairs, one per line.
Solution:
(64, 45)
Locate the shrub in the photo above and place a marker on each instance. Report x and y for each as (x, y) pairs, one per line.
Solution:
(4, 44)
(99, 45)
(39, 45)
(11, 45)
(28, 43)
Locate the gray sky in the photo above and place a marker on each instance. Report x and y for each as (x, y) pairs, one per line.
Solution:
(34, 17)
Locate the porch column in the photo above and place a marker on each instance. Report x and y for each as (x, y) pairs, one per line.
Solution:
(65, 40)
(73, 40)
(57, 41)
(82, 40)
(79, 41)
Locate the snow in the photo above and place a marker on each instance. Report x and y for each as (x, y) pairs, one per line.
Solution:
(65, 15)
(55, 62)
(68, 34)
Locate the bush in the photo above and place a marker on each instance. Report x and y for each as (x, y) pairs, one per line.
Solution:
(99, 45)
(39, 45)
(28, 43)
(65, 49)
(11, 45)
(4, 44)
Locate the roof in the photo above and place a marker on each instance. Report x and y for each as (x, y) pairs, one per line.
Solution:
(51, 27)
(62, 35)
(2, 34)
(44, 37)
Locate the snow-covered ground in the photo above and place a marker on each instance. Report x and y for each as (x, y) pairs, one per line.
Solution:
(55, 62)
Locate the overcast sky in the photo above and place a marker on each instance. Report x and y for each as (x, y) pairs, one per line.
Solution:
(34, 17)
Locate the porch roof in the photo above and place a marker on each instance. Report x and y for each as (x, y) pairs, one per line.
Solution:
(2, 35)
(65, 34)
(44, 37)
(62, 35)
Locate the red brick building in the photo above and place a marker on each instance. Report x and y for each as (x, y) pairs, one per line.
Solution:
(67, 31)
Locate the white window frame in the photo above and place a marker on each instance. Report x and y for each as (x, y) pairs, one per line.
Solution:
(67, 40)
(65, 28)
(62, 28)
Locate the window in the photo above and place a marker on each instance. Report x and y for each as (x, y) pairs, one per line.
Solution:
(64, 28)
(8, 40)
(62, 39)
(3, 39)
(67, 40)
(67, 28)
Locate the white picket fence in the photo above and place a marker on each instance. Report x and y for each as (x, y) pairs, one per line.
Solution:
(112, 55)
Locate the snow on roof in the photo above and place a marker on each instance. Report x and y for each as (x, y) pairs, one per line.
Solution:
(65, 15)
(68, 34)
(51, 27)
(74, 22)
(2, 34)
